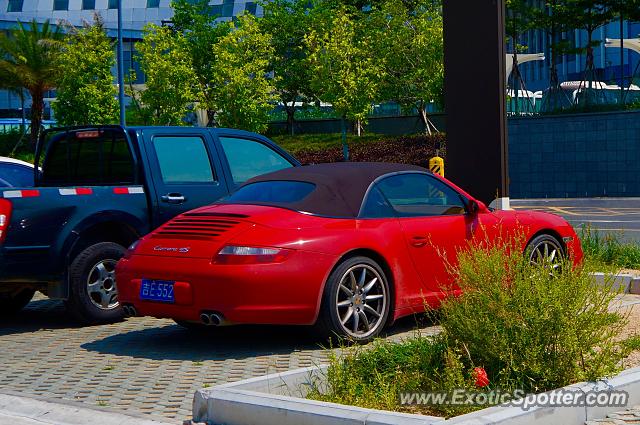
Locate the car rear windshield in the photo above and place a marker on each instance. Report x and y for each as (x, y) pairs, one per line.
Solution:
(272, 192)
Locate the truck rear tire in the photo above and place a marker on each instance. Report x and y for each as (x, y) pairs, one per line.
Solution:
(93, 294)
(11, 304)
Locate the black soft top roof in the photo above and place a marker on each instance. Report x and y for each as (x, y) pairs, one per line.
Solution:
(340, 187)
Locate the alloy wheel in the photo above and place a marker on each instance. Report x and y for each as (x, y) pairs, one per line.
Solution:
(361, 301)
(101, 285)
(548, 254)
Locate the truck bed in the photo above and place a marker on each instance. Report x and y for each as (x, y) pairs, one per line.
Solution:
(45, 221)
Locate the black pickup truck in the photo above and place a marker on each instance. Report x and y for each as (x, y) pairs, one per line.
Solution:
(99, 190)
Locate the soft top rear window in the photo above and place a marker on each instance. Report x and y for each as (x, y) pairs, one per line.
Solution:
(272, 192)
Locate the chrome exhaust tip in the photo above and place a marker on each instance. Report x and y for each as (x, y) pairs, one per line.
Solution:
(212, 319)
(216, 319)
(205, 318)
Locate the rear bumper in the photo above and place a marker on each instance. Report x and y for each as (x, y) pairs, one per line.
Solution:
(29, 265)
(285, 293)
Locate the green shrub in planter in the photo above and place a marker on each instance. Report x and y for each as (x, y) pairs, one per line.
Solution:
(528, 328)
(609, 249)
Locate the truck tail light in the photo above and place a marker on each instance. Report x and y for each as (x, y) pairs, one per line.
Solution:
(5, 218)
(233, 254)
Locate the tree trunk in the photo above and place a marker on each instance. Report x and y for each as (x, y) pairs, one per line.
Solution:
(291, 110)
(345, 146)
(424, 117)
(37, 110)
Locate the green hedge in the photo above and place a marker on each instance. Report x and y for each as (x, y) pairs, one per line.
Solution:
(314, 149)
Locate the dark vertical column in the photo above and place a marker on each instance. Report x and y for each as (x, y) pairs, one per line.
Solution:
(474, 49)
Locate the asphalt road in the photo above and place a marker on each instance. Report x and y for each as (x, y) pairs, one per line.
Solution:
(620, 216)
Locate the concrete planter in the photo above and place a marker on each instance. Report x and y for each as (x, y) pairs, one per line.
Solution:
(278, 399)
(625, 283)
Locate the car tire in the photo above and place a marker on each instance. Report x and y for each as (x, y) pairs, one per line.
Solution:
(93, 293)
(10, 304)
(546, 249)
(355, 306)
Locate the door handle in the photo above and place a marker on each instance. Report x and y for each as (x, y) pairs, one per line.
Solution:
(419, 241)
(173, 198)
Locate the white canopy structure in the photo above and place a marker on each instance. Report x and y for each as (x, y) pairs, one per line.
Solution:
(629, 43)
(522, 58)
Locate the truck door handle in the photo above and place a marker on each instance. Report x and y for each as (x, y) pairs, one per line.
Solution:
(173, 198)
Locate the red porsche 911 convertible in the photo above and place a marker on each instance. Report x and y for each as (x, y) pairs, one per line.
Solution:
(347, 246)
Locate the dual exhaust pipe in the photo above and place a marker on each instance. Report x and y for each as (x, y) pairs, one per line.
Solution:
(129, 310)
(206, 317)
(212, 319)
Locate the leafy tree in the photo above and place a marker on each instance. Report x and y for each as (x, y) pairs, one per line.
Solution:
(197, 23)
(410, 44)
(519, 19)
(29, 58)
(242, 91)
(85, 92)
(344, 70)
(588, 15)
(287, 21)
(554, 20)
(171, 82)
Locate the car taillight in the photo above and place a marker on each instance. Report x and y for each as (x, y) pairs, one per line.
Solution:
(233, 254)
(5, 218)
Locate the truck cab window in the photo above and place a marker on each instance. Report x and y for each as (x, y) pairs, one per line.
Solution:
(249, 158)
(88, 158)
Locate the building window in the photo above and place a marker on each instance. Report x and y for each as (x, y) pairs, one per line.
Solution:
(153, 3)
(215, 10)
(15, 6)
(250, 7)
(113, 4)
(60, 4)
(88, 4)
(227, 8)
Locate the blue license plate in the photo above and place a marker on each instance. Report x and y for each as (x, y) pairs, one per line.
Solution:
(157, 290)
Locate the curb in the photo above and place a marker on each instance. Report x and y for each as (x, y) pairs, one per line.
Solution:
(276, 400)
(625, 283)
(20, 408)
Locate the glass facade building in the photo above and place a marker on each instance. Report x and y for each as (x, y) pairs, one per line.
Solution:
(135, 13)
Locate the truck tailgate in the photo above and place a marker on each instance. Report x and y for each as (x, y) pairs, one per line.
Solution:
(44, 223)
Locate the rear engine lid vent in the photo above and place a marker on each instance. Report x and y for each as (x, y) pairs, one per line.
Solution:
(199, 225)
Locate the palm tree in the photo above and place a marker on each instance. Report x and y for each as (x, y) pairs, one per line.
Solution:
(29, 59)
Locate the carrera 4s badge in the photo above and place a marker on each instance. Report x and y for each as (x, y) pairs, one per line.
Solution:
(182, 250)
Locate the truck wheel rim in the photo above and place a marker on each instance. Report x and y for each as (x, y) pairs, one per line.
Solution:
(101, 285)
(361, 301)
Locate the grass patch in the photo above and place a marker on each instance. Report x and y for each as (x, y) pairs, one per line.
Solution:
(14, 145)
(609, 249)
(530, 330)
(633, 343)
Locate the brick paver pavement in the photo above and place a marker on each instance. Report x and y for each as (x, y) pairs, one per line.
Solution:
(144, 365)
(626, 417)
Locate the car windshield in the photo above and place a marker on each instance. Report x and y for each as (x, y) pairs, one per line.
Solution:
(272, 192)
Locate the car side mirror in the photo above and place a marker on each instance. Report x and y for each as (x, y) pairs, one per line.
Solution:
(474, 207)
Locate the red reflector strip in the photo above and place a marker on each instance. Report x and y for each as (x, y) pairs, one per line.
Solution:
(29, 193)
(128, 190)
(76, 191)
